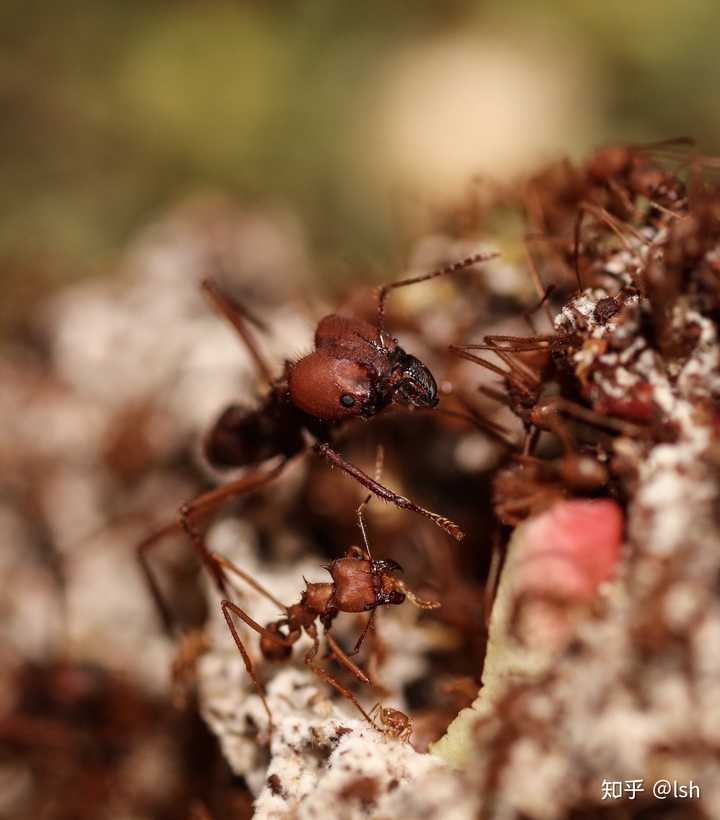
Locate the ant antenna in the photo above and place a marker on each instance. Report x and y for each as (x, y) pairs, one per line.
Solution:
(361, 524)
(420, 603)
(456, 266)
(379, 458)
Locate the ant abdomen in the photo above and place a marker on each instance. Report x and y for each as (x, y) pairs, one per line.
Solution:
(234, 440)
(272, 650)
(242, 436)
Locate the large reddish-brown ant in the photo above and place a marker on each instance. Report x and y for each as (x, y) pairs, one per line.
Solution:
(359, 584)
(356, 370)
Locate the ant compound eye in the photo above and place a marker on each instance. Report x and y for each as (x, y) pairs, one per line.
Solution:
(347, 400)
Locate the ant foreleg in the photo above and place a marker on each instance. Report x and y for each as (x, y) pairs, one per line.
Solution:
(368, 626)
(328, 678)
(385, 494)
(237, 315)
(229, 607)
(344, 659)
(202, 505)
(544, 414)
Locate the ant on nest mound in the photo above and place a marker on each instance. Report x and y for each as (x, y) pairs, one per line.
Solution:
(360, 583)
(356, 371)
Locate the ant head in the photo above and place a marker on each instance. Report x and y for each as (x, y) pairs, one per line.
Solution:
(391, 590)
(330, 388)
(413, 382)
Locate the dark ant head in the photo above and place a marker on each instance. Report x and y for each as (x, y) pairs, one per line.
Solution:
(356, 371)
(413, 382)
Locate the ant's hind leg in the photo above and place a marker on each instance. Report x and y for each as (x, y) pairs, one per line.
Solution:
(228, 609)
(187, 520)
(238, 315)
(385, 494)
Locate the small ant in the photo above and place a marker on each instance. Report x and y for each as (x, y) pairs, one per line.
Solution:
(395, 723)
(533, 484)
(534, 367)
(359, 584)
(356, 370)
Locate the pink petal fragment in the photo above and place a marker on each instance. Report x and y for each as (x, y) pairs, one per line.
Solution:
(571, 549)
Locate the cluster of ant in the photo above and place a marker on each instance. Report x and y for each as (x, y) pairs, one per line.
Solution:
(634, 231)
(604, 227)
(356, 371)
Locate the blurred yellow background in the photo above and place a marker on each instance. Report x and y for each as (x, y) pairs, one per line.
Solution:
(345, 112)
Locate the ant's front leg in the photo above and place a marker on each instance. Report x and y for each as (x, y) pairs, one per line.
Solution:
(344, 659)
(368, 626)
(326, 451)
(188, 520)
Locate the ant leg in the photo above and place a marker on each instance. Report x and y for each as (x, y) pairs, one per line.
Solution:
(473, 416)
(464, 354)
(343, 659)
(151, 583)
(495, 395)
(237, 315)
(368, 626)
(202, 505)
(183, 672)
(328, 678)
(229, 607)
(544, 413)
(384, 493)
(532, 436)
(249, 580)
(454, 268)
(542, 291)
(515, 344)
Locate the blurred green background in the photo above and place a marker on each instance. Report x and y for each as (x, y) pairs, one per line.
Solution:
(114, 111)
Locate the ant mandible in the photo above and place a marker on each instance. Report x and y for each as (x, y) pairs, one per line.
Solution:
(359, 584)
(356, 370)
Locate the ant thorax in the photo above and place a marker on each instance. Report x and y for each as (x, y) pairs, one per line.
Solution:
(316, 598)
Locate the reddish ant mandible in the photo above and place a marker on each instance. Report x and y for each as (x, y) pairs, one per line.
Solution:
(356, 370)
(359, 583)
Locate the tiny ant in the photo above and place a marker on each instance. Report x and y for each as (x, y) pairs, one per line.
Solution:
(533, 484)
(528, 392)
(394, 722)
(356, 370)
(359, 583)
